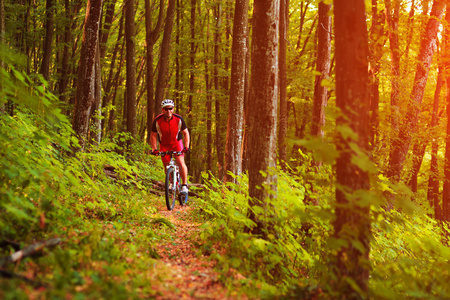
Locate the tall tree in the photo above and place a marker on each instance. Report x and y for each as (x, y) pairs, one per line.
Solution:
(163, 73)
(352, 223)
(433, 181)
(376, 40)
(131, 118)
(283, 119)
(392, 18)
(85, 92)
(446, 68)
(427, 47)
(150, 40)
(217, 86)
(235, 128)
(323, 69)
(263, 107)
(48, 41)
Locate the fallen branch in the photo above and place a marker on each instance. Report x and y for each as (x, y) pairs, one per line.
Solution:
(29, 250)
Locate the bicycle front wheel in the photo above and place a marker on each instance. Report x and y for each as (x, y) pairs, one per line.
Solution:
(171, 188)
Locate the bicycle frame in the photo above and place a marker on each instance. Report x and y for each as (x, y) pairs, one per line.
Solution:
(172, 182)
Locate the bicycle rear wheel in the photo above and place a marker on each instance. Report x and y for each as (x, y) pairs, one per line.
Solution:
(171, 188)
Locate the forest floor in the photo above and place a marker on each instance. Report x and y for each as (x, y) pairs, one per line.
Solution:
(192, 275)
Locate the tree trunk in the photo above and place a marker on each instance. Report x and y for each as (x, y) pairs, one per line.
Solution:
(192, 60)
(262, 143)
(111, 82)
(406, 131)
(150, 39)
(235, 127)
(393, 16)
(377, 41)
(104, 34)
(352, 223)
(283, 119)
(433, 181)
(323, 67)
(163, 73)
(131, 118)
(217, 87)
(446, 66)
(96, 113)
(47, 55)
(85, 93)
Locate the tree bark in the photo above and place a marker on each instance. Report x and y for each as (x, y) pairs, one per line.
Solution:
(47, 54)
(163, 73)
(150, 38)
(217, 87)
(262, 142)
(323, 67)
(407, 130)
(433, 181)
(233, 156)
(85, 93)
(130, 35)
(352, 223)
(377, 41)
(392, 18)
(283, 119)
(446, 66)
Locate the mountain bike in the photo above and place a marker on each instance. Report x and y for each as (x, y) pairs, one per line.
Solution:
(172, 183)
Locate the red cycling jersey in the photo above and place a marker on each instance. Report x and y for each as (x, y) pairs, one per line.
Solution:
(169, 131)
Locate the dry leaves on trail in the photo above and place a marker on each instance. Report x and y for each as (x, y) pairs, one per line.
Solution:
(188, 276)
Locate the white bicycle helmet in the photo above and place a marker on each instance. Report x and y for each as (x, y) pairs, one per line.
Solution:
(167, 102)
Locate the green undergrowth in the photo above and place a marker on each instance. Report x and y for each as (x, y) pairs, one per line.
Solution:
(96, 202)
(409, 258)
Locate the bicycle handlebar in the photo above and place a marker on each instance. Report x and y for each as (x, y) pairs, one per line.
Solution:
(169, 153)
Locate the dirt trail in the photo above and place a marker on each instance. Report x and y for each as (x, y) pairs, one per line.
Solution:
(189, 276)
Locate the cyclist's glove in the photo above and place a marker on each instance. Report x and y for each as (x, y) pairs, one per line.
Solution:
(185, 150)
(155, 152)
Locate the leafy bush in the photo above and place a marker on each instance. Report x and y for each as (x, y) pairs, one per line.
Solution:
(266, 267)
(409, 252)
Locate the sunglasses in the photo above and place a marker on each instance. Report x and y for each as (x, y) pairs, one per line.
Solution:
(168, 108)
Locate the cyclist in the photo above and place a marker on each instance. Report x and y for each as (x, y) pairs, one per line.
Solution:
(171, 131)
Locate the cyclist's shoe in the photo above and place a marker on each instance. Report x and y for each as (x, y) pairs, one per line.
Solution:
(184, 189)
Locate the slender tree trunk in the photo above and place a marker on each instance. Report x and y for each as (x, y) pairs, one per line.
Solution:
(217, 87)
(283, 119)
(163, 73)
(410, 29)
(209, 141)
(85, 93)
(130, 35)
(109, 91)
(150, 38)
(192, 60)
(446, 66)
(96, 114)
(407, 130)
(352, 223)
(104, 33)
(262, 143)
(323, 67)
(377, 41)
(63, 80)
(45, 66)
(433, 181)
(393, 16)
(233, 156)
